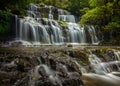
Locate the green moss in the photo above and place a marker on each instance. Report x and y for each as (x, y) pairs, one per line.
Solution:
(63, 23)
(41, 4)
(45, 15)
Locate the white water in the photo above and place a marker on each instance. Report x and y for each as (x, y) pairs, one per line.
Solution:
(43, 70)
(76, 33)
(117, 54)
(103, 67)
(92, 33)
(67, 18)
(107, 73)
(102, 80)
(39, 31)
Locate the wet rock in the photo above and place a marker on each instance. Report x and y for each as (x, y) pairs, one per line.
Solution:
(110, 53)
(52, 63)
(82, 56)
(9, 66)
(72, 82)
(39, 68)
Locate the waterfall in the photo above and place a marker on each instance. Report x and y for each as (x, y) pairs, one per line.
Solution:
(67, 18)
(76, 33)
(50, 13)
(43, 70)
(117, 54)
(39, 30)
(57, 32)
(33, 10)
(92, 33)
(103, 67)
(63, 12)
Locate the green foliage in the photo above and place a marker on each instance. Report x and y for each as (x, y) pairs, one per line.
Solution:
(97, 16)
(76, 6)
(114, 28)
(16, 6)
(97, 3)
(92, 16)
(112, 25)
(19, 6)
(4, 21)
(106, 15)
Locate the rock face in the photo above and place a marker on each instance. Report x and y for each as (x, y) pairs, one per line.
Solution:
(38, 68)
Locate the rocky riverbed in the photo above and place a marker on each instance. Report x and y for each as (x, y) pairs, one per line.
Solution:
(48, 65)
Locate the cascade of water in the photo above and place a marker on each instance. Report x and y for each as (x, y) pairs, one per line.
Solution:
(67, 18)
(97, 64)
(34, 32)
(49, 31)
(21, 29)
(77, 34)
(39, 31)
(57, 32)
(94, 59)
(31, 14)
(60, 11)
(45, 35)
(63, 12)
(33, 7)
(106, 67)
(43, 70)
(33, 10)
(82, 69)
(28, 26)
(92, 33)
(117, 54)
(54, 31)
(103, 67)
(50, 13)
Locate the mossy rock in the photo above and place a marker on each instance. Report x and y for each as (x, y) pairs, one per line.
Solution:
(63, 23)
(82, 56)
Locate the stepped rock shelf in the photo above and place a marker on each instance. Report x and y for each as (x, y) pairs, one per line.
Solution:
(59, 66)
(48, 25)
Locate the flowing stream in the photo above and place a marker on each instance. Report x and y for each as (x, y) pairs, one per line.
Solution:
(106, 73)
